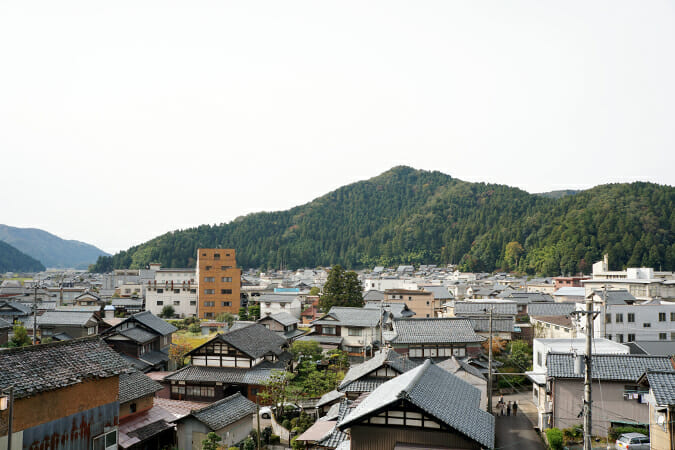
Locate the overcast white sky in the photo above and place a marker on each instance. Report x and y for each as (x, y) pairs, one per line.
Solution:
(121, 120)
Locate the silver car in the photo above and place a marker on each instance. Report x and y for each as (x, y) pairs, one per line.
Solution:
(632, 441)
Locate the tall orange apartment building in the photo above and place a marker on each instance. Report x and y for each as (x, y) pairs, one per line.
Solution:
(219, 282)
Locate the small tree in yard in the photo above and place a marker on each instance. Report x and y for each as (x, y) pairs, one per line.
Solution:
(20, 338)
(276, 390)
(211, 441)
(225, 317)
(254, 312)
(243, 313)
(178, 350)
(168, 312)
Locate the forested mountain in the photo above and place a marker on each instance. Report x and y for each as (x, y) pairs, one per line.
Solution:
(413, 216)
(12, 260)
(558, 194)
(50, 250)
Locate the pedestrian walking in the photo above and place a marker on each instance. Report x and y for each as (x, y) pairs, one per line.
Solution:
(515, 408)
(501, 399)
(508, 408)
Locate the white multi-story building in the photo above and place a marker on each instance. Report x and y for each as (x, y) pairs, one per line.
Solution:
(383, 284)
(288, 302)
(173, 287)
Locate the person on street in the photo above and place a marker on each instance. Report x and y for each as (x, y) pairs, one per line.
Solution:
(508, 408)
(515, 408)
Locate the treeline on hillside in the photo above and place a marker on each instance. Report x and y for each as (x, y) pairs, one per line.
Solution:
(12, 260)
(406, 216)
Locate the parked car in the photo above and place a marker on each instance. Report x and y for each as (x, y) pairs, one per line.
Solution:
(632, 441)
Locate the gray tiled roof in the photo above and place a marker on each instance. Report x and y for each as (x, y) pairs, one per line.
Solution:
(616, 296)
(337, 436)
(154, 357)
(134, 385)
(550, 309)
(80, 319)
(530, 297)
(254, 340)
(329, 397)
(257, 375)
(330, 340)
(46, 367)
(453, 364)
(498, 325)
(351, 317)
(18, 307)
(277, 297)
(155, 323)
(365, 384)
(397, 309)
(283, 318)
(138, 334)
(607, 367)
(382, 358)
(432, 389)
(373, 295)
(473, 308)
(440, 292)
(434, 330)
(654, 348)
(662, 385)
(225, 412)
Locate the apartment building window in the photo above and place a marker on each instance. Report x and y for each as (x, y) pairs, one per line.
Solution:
(672, 316)
(672, 336)
(208, 315)
(216, 256)
(193, 291)
(209, 303)
(619, 337)
(209, 291)
(662, 317)
(226, 279)
(160, 291)
(631, 317)
(619, 318)
(663, 336)
(646, 325)
(631, 338)
(226, 303)
(193, 303)
(225, 267)
(105, 441)
(227, 254)
(208, 267)
(160, 302)
(176, 291)
(176, 302)
(209, 279)
(328, 330)
(355, 331)
(409, 298)
(608, 318)
(226, 291)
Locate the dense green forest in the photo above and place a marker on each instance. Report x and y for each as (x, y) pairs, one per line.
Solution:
(408, 216)
(12, 260)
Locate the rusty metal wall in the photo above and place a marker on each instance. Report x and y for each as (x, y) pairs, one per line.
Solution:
(74, 432)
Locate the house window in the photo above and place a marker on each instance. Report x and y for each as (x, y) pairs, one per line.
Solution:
(662, 317)
(160, 302)
(226, 303)
(416, 352)
(328, 330)
(409, 299)
(209, 303)
(178, 390)
(539, 358)
(226, 291)
(282, 305)
(91, 330)
(619, 337)
(646, 325)
(355, 331)
(209, 279)
(106, 441)
(619, 318)
(132, 408)
(226, 279)
(209, 291)
(200, 391)
(631, 337)
(176, 302)
(663, 336)
(631, 317)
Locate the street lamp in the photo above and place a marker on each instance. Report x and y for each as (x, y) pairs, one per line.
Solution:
(7, 403)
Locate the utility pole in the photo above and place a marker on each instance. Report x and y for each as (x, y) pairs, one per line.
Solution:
(604, 312)
(35, 314)
(257, 414)
(489, 383)
(590, 315)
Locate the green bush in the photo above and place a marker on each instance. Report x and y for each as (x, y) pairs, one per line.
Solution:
(274, 439)
(286, 424)
(615, 432)
(555, 438)
(573, 433)
(195, 328)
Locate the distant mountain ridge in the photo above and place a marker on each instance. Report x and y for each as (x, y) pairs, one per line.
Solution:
(50, 250)
(13, 260)
(408, 216)
(558, 194)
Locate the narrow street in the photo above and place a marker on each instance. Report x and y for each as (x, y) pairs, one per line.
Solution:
(517, 432)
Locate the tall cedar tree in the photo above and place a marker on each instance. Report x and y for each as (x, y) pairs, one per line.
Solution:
(342, 288)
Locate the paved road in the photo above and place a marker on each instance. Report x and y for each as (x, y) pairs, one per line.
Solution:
(517, 432)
